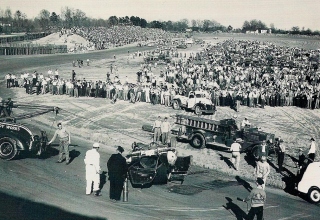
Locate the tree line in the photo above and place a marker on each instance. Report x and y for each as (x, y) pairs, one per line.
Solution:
(69, 17)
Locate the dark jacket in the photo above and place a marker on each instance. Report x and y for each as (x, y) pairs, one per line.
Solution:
(117, 167)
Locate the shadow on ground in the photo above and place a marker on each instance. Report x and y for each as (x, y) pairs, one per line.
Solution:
(235, 209)
(15, 208)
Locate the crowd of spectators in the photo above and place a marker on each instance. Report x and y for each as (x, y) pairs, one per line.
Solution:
(255, 73)
(115, 36)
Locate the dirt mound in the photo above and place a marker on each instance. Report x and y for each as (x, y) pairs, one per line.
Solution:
(69, 40)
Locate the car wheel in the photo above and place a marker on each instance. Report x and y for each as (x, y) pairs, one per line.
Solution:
(198, 141)
(314, 195)
(175, 105)
(198, 110)
(8, 149)
(255, 152)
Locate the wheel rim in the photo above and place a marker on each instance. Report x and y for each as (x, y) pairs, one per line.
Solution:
(6, 148)
(196, 142)
(175, 105)
(315, 195)
(198, 110)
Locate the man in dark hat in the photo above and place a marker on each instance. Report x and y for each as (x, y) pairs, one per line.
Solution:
(257, 198)
(117, 171)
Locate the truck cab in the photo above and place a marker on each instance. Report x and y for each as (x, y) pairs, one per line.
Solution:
(310, 182)
(196, 102)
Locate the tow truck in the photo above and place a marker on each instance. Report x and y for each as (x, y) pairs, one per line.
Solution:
(15, 136)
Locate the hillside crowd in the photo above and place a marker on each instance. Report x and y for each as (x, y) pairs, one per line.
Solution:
(251, 72)
(104, 38)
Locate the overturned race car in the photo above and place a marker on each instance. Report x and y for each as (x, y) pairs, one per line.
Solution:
(155, 164)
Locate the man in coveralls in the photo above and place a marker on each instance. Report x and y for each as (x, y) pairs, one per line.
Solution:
(117, 171)
(93, 170)
(65, 140)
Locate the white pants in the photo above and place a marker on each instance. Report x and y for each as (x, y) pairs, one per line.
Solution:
(92, 177)
(236, 159)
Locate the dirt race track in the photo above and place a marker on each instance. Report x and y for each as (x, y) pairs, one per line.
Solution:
(96, 119)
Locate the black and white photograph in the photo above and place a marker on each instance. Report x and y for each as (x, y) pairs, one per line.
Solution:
(159, 110)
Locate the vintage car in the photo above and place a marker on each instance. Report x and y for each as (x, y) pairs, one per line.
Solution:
(155, 164)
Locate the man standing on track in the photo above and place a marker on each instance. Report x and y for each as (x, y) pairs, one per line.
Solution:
(65, 140)
(235, 150)
(117, 170)
(263, 170)
(93, 170)
(257, 198)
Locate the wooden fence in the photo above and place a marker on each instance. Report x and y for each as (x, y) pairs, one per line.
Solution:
(31, 49)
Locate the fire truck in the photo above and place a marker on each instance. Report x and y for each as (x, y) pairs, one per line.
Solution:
(200, 132)
(16, 136)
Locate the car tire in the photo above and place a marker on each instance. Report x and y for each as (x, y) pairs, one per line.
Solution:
(255, 152)
(175, 105)
(8, 148)
(198, 110)
(198, 141)
(314, 195)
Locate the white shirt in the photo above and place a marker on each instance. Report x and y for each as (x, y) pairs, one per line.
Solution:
(165, 126)
(312, 149)
(235, 147)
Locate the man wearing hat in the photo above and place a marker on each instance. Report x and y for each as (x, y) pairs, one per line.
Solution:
(257, 198)
(262, 170)
(65, 140)
(93, 170)
(281, 152)
(117, 171)
(235, 151)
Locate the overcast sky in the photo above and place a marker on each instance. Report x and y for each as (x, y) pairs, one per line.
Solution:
(283, 14)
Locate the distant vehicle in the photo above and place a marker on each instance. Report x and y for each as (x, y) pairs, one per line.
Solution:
(155, 164)
(16, 137)
(196, 102)
(182, 46)
(201, 132)
(310, 182)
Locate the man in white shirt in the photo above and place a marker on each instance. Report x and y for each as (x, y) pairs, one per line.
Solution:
(93, 170)
(165, 129)
(235, 152)
(245, 123)
(312, 150)
(157, 130)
